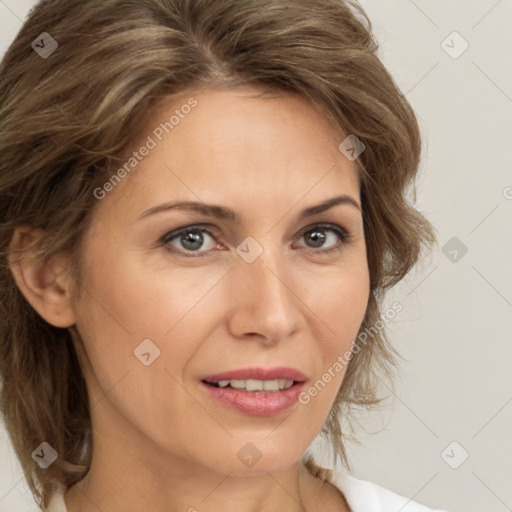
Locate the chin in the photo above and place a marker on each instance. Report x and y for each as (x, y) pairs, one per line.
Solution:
(255, 458)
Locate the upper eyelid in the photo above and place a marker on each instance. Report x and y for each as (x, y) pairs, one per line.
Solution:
(191, 227)
(213, 228)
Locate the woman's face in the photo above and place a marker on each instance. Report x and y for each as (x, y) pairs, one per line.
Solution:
(267, 285)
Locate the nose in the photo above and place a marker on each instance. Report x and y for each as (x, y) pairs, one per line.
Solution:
(266, 305)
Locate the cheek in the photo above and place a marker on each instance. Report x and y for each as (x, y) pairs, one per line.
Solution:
(129, 301)
(339, 299)
(145, 296)
(339, 305)
(123, 309)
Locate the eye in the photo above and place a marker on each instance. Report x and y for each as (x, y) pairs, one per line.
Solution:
(318, 237)
(188, 241)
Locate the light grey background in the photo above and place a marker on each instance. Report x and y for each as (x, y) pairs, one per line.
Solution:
(455, 328)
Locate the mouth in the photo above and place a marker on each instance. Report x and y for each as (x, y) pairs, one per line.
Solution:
(256, 391)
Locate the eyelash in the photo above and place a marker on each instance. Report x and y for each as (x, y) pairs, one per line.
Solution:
(345, 237)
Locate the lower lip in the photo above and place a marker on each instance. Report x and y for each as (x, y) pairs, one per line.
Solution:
(256, 403)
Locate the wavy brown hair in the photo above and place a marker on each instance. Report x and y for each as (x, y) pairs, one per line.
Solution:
(67, 120)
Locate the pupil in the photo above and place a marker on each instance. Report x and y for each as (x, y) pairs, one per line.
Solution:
(318, 238)
(191, 238)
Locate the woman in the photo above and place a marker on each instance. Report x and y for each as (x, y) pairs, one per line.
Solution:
(202, 205)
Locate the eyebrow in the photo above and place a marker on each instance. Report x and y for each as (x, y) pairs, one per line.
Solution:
(224, 213)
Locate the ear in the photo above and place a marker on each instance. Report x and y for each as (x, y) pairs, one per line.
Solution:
(46, 284)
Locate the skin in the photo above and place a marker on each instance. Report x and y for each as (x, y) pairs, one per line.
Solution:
(160, 442)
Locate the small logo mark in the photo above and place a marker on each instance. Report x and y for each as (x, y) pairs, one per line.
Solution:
(44, 45)
(44, 455)
(454, 455)
(454, 249)
(351, 147)
(249, 455)
(249, 249)
(147, 352)
(454, 45)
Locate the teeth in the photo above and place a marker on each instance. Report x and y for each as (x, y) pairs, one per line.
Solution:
(238, 384)
(257, 385)
(254, 385)
(270, 385)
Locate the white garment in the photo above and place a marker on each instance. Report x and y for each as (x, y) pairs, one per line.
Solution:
(361, 496)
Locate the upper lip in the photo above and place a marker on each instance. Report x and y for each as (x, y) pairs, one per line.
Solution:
(281, 372)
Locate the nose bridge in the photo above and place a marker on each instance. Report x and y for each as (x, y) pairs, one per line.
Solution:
(265, 303)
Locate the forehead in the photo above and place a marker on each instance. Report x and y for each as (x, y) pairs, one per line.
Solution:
(247, 119)
(236, 145)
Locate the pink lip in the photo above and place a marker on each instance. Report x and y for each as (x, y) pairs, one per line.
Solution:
(258, 374)
(257, 403)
